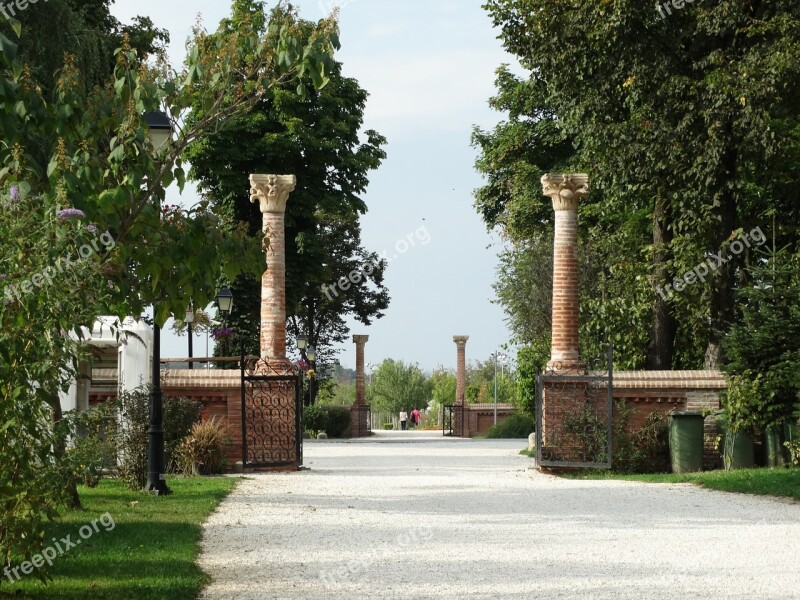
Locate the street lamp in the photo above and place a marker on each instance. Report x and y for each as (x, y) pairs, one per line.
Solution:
(302, 343)
(160, 129)
(311, 354)
(225, 300)
(189, 320)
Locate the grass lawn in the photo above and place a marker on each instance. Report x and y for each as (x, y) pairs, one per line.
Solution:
(768, 482)
(149, 550)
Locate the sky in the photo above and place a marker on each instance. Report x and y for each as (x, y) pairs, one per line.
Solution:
(429, 67)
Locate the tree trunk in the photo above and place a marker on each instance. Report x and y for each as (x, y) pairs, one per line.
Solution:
(723, 280)
(663, 326)
(74, 501)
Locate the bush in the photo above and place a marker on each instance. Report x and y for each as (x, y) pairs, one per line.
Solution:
(93, 448)
(180, 415)
(517, 425)
(338, 421)
(315, 418)
(202, 452)
(132, 411)
(388, 426)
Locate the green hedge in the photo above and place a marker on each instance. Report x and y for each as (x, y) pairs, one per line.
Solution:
(333, 420)
(518, 425)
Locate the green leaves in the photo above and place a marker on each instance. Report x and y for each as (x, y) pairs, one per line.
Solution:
(8, 49)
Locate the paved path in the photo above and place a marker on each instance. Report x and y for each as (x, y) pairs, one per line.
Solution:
(426, 517)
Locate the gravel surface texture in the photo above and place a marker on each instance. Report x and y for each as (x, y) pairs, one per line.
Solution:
(425, 517)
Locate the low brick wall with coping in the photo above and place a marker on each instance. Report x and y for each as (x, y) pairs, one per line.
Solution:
(646, 392)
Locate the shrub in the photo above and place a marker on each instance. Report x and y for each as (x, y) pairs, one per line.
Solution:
(315, 418)
(642, 451)
(93, 447)
(794, 452)
(180, 414)
(388, 426)
(202, 452)
(132, 411)
(338, 421)
(517, 425)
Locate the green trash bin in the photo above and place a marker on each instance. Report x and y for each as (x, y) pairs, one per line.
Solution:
(686, 441)
(774, 450)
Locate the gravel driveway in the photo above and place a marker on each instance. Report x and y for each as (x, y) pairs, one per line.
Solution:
(417, 517)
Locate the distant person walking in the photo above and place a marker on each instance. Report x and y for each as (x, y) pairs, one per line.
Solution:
(403, 419)
(416, 417)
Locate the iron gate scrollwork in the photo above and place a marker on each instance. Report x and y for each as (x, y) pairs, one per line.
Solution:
(453, 420)
(575, 416)
(272, 415)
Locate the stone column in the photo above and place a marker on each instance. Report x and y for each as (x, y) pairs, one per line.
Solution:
(461, 425)
(566, 191)
(461, 367)
(358, 413)
(360, 341)
(272, 192)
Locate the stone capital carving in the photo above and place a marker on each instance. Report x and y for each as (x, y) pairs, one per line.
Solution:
(360, 339)
(565, 189)
(271, 191)
(460, 340)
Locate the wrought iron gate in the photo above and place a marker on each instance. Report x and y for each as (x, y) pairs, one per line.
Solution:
(575, 416)
(453, 420)
(272, 416)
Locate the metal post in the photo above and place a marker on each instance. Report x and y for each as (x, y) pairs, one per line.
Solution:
(156, 481)
(495, 388)
(244, 407)
(191, 363)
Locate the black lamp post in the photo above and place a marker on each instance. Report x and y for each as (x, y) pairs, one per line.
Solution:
(160, 132)
(311, 353)
(189, 320)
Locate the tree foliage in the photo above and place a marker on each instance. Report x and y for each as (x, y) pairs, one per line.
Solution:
(764, 347)
(397, 386)
(688, 126)
(318, 137)
(78, 166)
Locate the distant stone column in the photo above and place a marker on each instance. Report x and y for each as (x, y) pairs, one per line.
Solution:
(460, 410)
(461, 367)
(360, 341)
(272, 192)
(359, 411)
(565, 190)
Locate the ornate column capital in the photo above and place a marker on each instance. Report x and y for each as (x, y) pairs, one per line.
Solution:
(565, 189)
(360, 339)
(272, 191)
(460, 340)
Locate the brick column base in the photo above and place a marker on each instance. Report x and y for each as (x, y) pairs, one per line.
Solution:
(359, 424)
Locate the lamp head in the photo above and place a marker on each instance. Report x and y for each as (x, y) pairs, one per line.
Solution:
(302, 342)
(225, 300)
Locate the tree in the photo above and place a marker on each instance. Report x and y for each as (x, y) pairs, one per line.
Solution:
(688, 123)
(85, 29)
(89, 238)
(763, 349)
(318, 138)
(397, 386)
